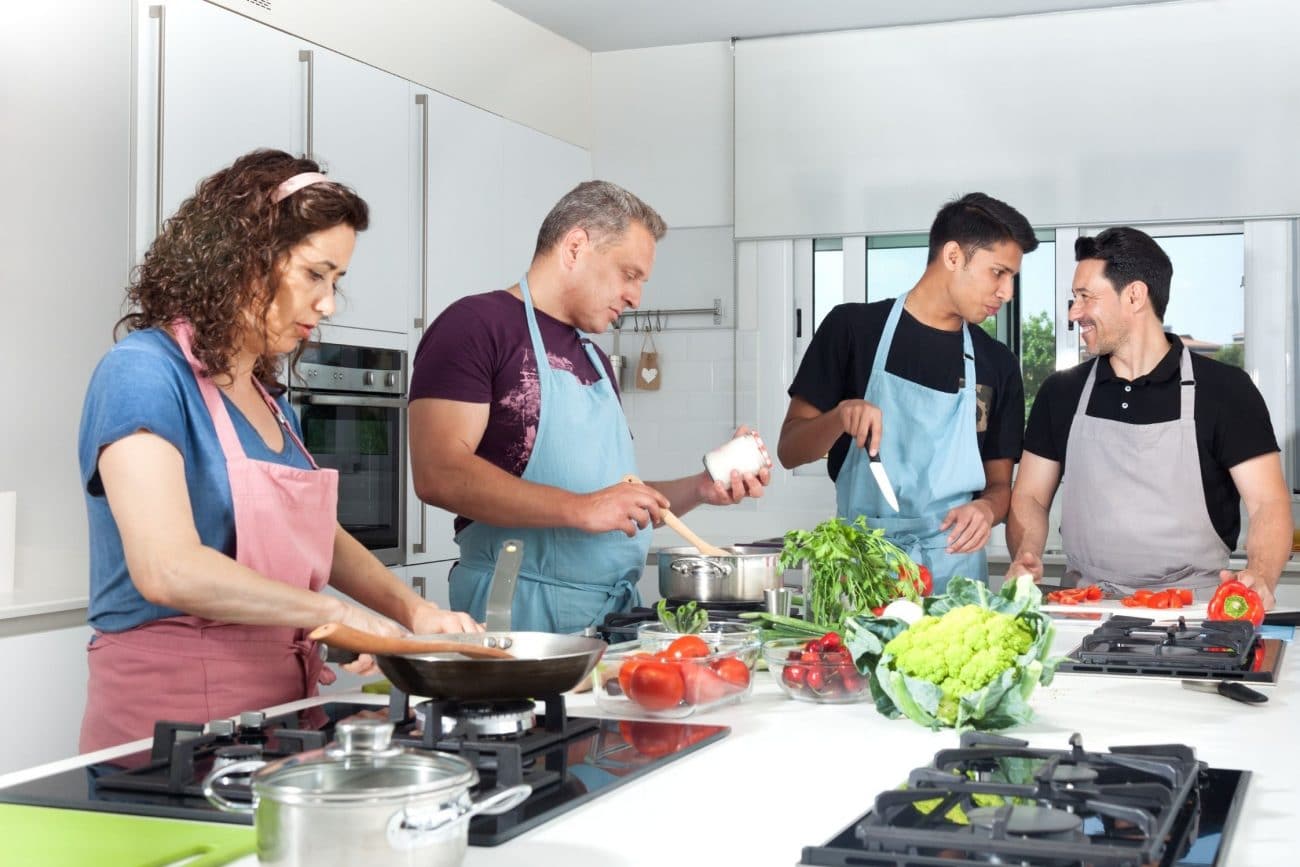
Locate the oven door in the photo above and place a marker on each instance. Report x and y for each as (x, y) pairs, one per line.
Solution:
(364, 438)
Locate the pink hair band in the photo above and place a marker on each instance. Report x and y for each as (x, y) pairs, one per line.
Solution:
(288, 187)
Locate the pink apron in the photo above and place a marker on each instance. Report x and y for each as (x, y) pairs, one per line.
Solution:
(191, 669)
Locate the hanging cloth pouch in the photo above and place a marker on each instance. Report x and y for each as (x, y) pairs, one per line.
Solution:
(648, 375)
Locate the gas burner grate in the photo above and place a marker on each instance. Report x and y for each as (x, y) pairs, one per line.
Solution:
(1220, 649)
(994, 800)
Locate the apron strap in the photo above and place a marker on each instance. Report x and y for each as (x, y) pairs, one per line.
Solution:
(1187, 390)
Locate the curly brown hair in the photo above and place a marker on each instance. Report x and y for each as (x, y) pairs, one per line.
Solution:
(218, 260)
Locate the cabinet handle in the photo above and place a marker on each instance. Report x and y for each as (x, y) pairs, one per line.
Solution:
(422, 100)
(418, 547)
(419, 586)
(159, 12)
(307, 57)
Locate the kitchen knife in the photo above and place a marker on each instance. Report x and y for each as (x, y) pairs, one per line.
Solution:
(1228, 689)
(882, 481)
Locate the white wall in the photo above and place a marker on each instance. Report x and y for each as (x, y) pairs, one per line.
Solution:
(1168, 112)
(662, 128)
(474, 50)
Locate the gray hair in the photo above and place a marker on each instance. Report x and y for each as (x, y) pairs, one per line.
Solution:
(601, 209)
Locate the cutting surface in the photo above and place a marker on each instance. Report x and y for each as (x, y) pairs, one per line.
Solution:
(74, 838)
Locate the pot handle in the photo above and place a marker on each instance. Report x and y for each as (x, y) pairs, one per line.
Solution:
(220, 801)
(693, 565)
(413, 829)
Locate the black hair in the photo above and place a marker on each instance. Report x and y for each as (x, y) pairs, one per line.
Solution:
(1130, 255)
(977, 222)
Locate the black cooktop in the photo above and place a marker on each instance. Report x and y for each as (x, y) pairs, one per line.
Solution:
(994, 800)
(567, 759)
(1218, 649)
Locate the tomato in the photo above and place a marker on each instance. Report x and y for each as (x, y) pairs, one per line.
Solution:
(703, 684)
(688, 647)
(656, 685)
(629, 665)
(733, 671)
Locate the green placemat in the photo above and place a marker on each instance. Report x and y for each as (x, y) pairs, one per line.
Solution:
(75, 838)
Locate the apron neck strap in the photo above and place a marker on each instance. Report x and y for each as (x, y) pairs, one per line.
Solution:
(887, 339)
(1187, 387)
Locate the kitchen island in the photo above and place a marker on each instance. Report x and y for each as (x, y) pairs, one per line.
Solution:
(792, 774)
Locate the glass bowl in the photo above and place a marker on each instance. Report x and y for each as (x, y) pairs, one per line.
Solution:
(812, 676)
(632, 682)
(721, 637)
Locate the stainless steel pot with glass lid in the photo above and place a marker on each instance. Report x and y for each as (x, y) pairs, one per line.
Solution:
(362, 801)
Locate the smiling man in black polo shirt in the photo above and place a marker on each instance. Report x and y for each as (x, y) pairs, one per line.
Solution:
(1164, 445)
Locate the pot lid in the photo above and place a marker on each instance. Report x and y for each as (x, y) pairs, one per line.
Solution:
(362, 765)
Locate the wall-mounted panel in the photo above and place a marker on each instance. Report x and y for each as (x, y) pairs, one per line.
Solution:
(1178, 111)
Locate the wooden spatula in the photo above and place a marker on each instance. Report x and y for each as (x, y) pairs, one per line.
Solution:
(684, 531)
(357, 641)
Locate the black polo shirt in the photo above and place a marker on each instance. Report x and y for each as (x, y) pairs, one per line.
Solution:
(837, 366)
(1232, 423)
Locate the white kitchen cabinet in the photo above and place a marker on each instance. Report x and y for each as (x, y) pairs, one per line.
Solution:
(361, 135)
(538, 170)
(430, 580)
(228, 85)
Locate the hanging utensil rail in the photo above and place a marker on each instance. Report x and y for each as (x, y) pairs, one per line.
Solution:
(664, 312)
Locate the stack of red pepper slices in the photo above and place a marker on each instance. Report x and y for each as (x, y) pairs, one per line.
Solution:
(1174, 597)
(1075, 595)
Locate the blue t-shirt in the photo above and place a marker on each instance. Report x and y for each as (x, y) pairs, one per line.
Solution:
(145, 383)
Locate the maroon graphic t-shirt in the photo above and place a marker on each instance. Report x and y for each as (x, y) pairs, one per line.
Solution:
(478, 351)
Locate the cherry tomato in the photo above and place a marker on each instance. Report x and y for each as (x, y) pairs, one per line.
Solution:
(688, 647)
(733, 671)
(656, 685)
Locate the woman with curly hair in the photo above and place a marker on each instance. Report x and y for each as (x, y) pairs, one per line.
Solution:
(211, 527)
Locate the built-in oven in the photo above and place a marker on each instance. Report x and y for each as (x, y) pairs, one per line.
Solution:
(352, 404)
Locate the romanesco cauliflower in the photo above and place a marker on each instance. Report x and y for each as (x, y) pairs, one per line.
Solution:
(962, 651)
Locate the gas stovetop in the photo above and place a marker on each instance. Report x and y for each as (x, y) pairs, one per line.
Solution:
(996, 801)
(1217, 649)
(567, 760)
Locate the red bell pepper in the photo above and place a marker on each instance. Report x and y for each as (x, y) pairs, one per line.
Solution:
(1235, 601)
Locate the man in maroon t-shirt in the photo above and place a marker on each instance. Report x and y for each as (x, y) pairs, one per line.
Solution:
(539, 454)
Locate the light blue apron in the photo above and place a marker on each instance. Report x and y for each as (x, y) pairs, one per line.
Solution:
(930, 451)
(569, 579)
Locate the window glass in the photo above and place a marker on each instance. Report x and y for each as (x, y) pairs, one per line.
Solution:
(828, 277)
(1036, 304)
(1207, 297)
(894, 264)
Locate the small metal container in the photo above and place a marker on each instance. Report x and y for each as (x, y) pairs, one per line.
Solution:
(362, 801)
(741, 576)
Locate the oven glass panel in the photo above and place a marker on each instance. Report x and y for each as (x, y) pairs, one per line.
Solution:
(364, 444)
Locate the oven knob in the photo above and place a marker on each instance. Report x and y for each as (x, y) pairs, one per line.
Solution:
(251, 720)
(390, 380)
(368, 378)
(311, 373)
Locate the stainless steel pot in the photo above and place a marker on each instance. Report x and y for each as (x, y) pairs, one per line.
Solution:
(741, 576)
(362, 801)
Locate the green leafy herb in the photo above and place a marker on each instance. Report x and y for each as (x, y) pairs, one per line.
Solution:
(687, 619)
(851, 570)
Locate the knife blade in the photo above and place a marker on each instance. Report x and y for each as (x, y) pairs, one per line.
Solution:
(882, 482)
(1228, 689)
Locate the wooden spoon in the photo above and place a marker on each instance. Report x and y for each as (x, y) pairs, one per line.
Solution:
(684, 531)
(357, 641)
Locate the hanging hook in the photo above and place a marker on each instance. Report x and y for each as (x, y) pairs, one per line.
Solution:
(659, 326)
(636, 322)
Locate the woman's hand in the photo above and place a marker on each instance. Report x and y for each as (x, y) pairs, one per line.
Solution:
(429, 618)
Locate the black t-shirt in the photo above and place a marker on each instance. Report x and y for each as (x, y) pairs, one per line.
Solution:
(838, 363)
(1232, 423)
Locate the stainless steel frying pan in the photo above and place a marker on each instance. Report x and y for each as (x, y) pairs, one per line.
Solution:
(544, 663)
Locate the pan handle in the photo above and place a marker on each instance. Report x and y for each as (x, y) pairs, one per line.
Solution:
(414, 829)
(700, 566)
(501, 591)
(221, 802)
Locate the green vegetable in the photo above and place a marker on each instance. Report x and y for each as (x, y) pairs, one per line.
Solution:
(851, 569)
(687, 619)
(971, 662)
(780, 626)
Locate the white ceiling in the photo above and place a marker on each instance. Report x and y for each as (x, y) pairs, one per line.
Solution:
(613, 25)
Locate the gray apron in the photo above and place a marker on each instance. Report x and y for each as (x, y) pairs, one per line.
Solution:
(1133, 508)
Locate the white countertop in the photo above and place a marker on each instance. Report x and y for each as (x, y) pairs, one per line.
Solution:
(792, 774)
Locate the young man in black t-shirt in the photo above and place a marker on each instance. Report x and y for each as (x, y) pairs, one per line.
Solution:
(1163, 445)
(917, 383)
